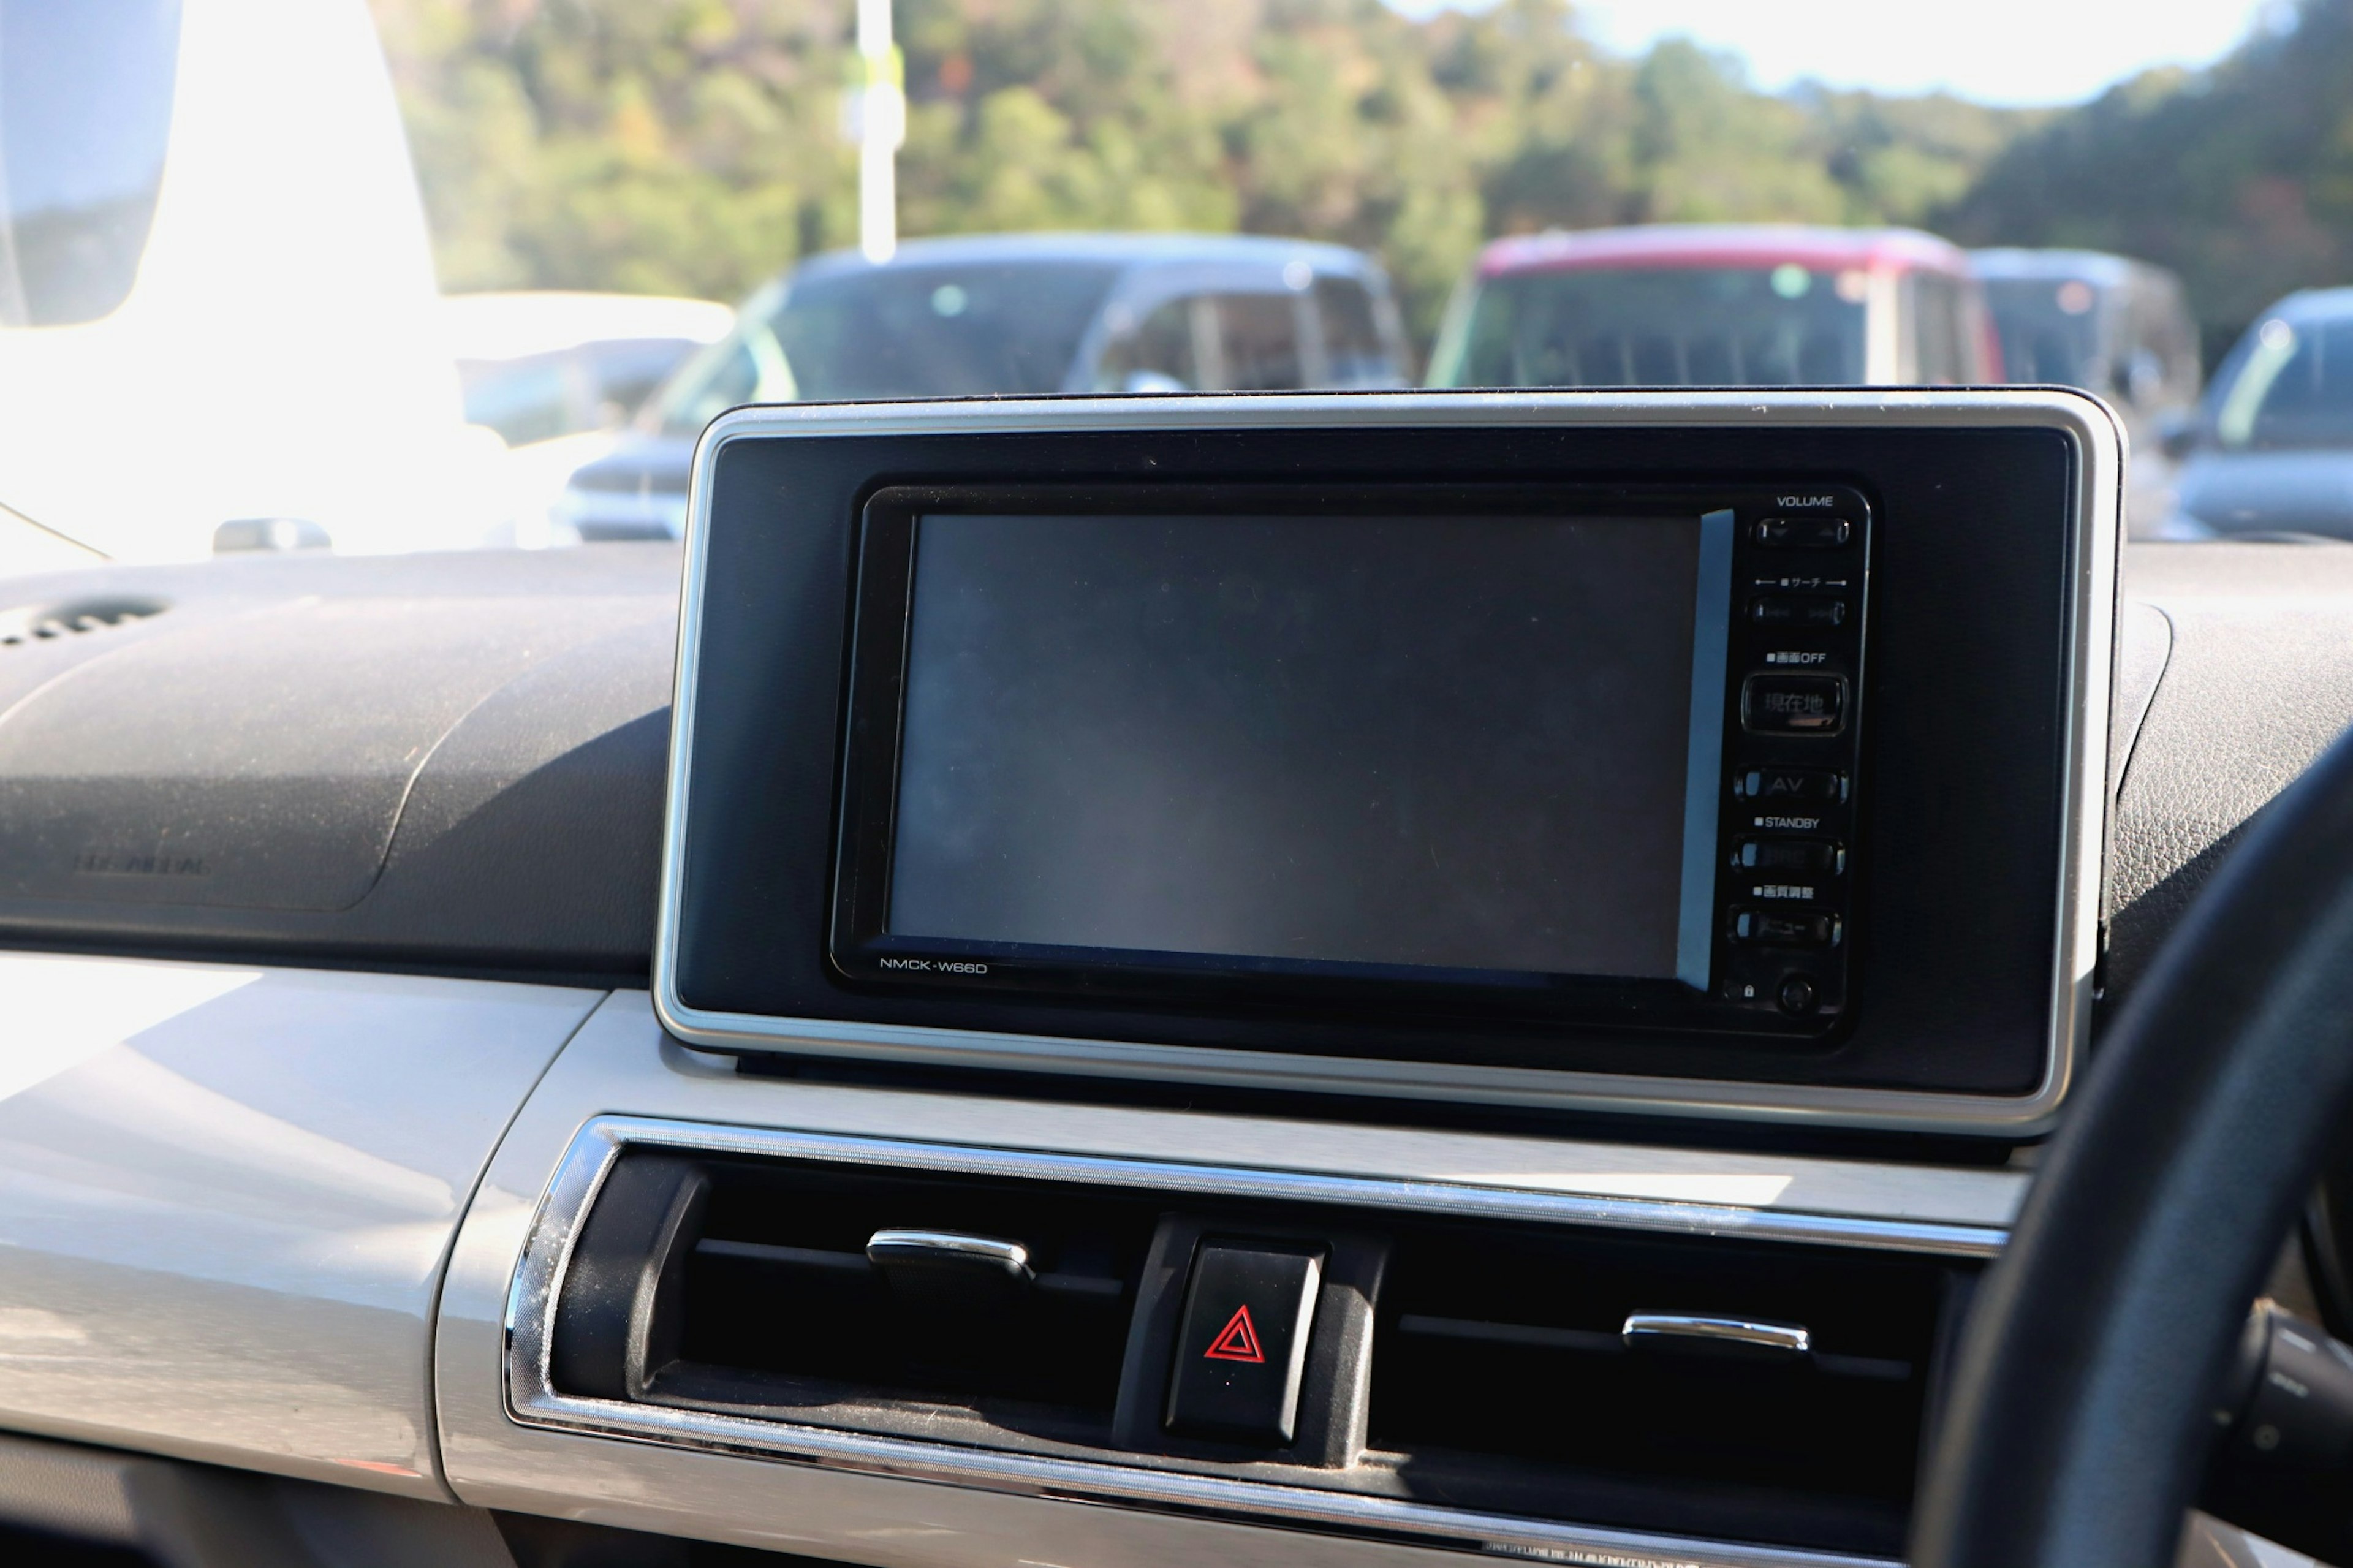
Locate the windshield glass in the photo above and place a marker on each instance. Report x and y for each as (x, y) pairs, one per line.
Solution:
(908, 331)
(1785, 325)
(423, 274)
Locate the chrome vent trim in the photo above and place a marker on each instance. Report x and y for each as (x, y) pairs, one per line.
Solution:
(532, 1401)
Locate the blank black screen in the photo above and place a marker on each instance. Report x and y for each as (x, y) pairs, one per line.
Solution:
(1402, 740)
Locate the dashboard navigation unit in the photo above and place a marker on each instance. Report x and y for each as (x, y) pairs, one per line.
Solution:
(1694, 753)
(1467, 749)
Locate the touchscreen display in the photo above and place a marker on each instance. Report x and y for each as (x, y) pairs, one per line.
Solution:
(1474, 742)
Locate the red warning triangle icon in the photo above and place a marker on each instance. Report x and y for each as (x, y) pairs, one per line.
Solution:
(1237, 1340)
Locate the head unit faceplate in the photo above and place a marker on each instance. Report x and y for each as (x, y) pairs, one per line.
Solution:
(1742, 859)
(1613, 441)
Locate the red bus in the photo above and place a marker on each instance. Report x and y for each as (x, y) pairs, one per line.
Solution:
(1719, 305)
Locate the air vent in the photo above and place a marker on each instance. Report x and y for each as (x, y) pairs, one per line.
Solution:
(33, 624)
(1783, 1384)
(1769, 1392)
(971, 1310)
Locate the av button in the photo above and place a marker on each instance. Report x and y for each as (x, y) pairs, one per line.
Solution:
(1793, 704)
(1242, 1343)
(1790, 786)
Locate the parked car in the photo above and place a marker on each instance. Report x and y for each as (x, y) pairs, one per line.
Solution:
(1717, 305)
(1010, 313)
(538, 364)
(2270, 449)
(2109, 324)
(257, 305)
(559, 375)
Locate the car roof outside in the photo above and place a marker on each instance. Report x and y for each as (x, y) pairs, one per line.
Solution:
(2312, 304)
(1722, 244)
(2100, 269)
(2020, 262)
(1126, 250)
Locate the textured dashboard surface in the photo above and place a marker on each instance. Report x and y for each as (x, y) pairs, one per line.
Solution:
(2258, 679)
(226, 1193)
(445, 761)
(495, 800)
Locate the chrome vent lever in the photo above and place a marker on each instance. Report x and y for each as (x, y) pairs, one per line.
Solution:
(949, 1249)
(1698, 1334)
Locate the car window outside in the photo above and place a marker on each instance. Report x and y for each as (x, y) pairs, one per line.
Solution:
(745, 367)
(1353, 350)
(2294, 389)
(1689, 326)
(2049, 328)
(524, 400)
(1260, 335)
(941, 331)
(1163, 353)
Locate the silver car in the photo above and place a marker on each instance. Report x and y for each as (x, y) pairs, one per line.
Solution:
(2270, 449)
(1008, 313)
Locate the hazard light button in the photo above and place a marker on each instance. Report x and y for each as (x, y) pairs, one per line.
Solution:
(1244, 1341)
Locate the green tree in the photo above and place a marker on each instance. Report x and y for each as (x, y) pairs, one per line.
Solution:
(695, 146)
(2239, 178)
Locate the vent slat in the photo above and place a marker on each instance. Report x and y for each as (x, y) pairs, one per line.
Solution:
(1586, 1342)
(790, 1257)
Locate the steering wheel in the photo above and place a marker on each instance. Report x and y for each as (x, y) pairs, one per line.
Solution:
(2081, 1405)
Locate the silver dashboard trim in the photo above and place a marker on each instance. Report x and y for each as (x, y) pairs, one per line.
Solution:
(532, 1401)
(2087, 422)
(226, 1195)
(602, 1138)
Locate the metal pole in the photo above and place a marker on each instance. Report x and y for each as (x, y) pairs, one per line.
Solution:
(881, 127)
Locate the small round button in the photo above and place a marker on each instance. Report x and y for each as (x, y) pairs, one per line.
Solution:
(1797, 996)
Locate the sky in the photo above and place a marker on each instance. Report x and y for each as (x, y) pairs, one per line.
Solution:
(1995, 51)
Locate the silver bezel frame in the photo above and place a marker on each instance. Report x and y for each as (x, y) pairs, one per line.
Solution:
(2099, 440)
(536, 1286)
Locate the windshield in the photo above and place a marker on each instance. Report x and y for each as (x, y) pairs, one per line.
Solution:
(922, 330)
(271, 217)
(2049, 328)
(1785, 325)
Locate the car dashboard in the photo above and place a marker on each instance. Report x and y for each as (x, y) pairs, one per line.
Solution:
(514, 1030)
